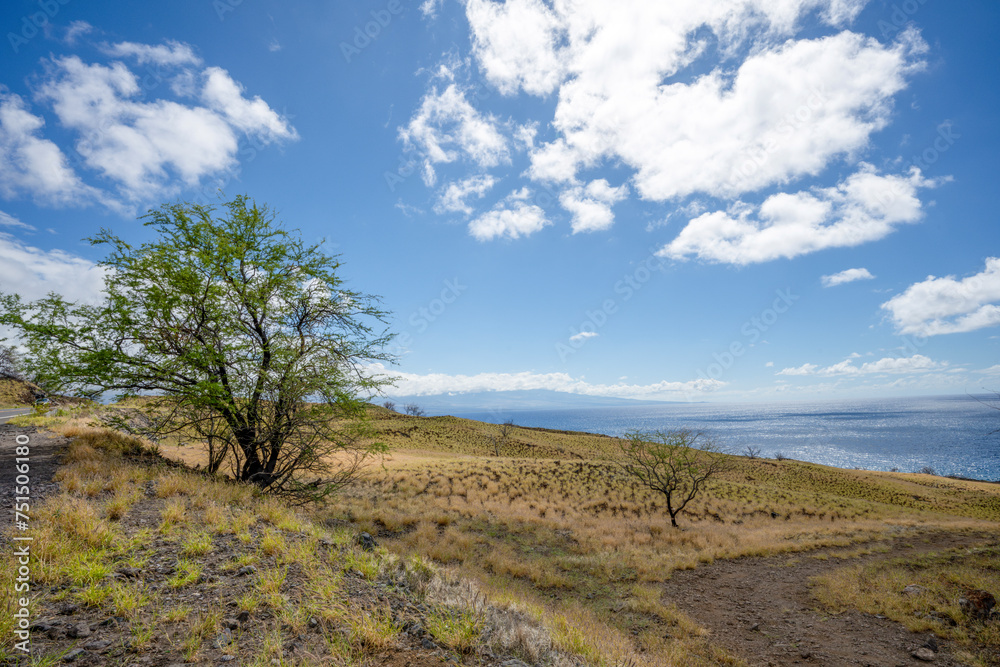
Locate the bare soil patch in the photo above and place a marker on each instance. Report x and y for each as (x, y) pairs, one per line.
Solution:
(44, 448)
(762, 610)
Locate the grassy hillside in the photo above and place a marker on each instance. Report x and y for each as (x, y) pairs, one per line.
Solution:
(139, 561)
(551, 530)
(15, 393)
(553, 520)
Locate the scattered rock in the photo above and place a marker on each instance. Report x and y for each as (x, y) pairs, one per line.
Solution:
(98, 646)
(230, 623)
(755, 627)
(227, 658)
(313, 623)
(73, 655)
(913, 589)
(129, 572)
(367, 542)
(40, 626)
(428, 644)
(932, 643)
(923, 654)
(514, 663)
(224, 639)
(78, 631)
(243, 617)
(68, 609)
(977, 604)
(246, 570)
(944, 618)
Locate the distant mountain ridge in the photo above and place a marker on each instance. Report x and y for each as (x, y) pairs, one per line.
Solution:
(528, 399)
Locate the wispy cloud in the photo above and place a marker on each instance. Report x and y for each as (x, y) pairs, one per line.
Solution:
(583, 335)
(918, 363)
(846, 276)
(7, 220)
(169, 54)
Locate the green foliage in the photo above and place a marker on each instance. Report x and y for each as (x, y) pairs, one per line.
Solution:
(239, 336)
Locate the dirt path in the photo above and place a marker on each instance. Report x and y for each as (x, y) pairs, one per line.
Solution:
(43, 460)
(761, 610)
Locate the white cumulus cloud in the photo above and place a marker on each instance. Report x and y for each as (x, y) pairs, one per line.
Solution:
(411, 384)
(514, 217)
(33, 272)
(145, 145)
(864, 207)
(918, 363)
(454, 197)
(719, 98)
(32, 165)
(447, 127)
(591, 205)
(846, 276)
(947, 305)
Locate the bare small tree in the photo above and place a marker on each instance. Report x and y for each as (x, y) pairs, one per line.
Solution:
(753, 452)
(501, 439)
(390, 406)
(674, 463)
(414, 410)
(9, 363)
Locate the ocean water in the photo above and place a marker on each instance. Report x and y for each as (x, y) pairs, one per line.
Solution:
(954, 435)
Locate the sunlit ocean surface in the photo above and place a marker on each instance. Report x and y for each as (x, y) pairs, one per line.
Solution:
(954, 435)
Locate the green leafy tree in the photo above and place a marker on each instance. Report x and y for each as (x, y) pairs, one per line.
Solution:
(677, 464)
(234, 333)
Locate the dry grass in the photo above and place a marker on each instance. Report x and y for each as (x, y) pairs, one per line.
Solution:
(942, 578)
(570, 535)
(564, 551)
(86, 532)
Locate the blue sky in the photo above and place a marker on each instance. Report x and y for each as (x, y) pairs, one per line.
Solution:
(731, 200)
